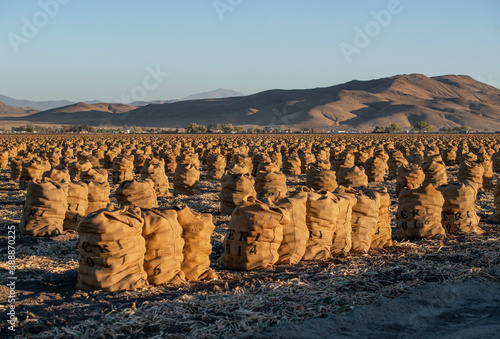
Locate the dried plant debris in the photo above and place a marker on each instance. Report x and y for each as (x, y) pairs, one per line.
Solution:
(48, 305)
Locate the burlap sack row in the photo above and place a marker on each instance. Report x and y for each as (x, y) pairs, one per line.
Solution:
(44, 208)
(111, 250)
(255, 233)
(459, 210)
(419, 213)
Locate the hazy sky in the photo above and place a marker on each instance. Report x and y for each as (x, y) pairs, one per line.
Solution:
(108, 50)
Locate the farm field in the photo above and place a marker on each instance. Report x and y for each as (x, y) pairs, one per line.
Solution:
(268, 301)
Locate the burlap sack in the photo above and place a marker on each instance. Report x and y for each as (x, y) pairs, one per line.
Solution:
(410, 176)
(342, 241)
(487, 165)
(496, 200)
(186, 179)
(98, 174)
(155, 171)
(435, 173)
(77, 204)
(292, 164)
(98, 197)
(449, 156)
(235, 186)
(170, 162)
(254, 235)
(321, 179)
(419, 213)
(164, 245)
(140, 160)
(459, 208)
(109, 158)
(76, 169)
(111, 250)
(270, 184)
(295, 231)
(44, 209)
(216, 165)
(31, 171)
(139, 193)
(471, 171)
(197, 232)
(364, 220)
(416, 157)
(322, 211)
(267, 167)
(396, 159)
(353, 177)
(123, 169)
(345, 160)
(4, 159)
(375, 168)
(16, 166)
(496, 162)
(57, 175)
(383, 232)
(243, 161)
(306, 160)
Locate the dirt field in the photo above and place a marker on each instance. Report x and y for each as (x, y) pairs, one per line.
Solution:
(428, 288)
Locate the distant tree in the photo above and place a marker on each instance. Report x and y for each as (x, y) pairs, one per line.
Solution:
(238, 129)
(267, 129)
(251, 130)
(395, 127)
(226, 128)
(378, 129)
(193, 128)
(423, 126)
(29, 128)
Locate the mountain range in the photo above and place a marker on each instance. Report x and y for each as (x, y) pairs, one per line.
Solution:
(442, 101)
(46, 105)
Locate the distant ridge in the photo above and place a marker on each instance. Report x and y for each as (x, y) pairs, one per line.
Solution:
(442, 101)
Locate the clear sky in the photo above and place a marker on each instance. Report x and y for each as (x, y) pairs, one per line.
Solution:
(108, 49)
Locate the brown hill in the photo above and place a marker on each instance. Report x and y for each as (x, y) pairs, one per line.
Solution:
(11, 111)
(81, 113)
(443, 101)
